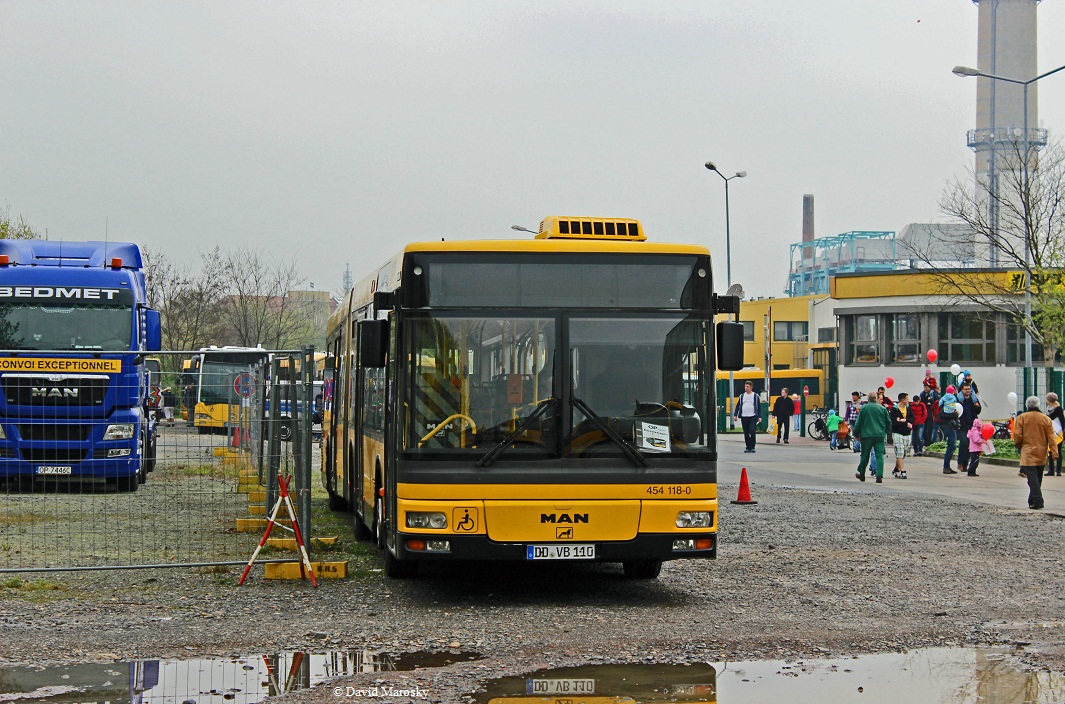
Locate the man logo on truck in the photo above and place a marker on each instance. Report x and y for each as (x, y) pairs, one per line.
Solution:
(53, 392)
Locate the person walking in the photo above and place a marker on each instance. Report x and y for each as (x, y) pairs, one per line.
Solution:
(901, 429)
(748, 412)
(969, 408)
(977, 444)
(920, 417)
(169, 403)
(930, 397)
(851, 417)
(832, 423)
(947, 421)
(783, 409)
(1033, 434)
(796, 418)
(871, 428)
(1057, 421)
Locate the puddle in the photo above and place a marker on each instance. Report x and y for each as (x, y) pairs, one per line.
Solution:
(203, 680)
(928, 676)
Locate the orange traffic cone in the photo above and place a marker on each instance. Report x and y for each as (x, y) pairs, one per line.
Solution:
(236, 437)
(744, 495)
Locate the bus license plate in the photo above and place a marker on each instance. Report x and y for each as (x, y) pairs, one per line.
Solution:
(560, 552)
(547, 687)
(54, 469)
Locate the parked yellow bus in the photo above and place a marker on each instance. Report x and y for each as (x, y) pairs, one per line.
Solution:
(794, 380)
(526, 400)
(214, 371)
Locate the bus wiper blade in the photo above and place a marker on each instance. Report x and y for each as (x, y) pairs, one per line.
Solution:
(635, 457)
(499, 449)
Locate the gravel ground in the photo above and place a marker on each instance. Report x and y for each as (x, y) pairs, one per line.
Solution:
(801, 574)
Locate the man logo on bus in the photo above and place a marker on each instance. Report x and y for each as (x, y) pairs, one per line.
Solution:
(563, 518)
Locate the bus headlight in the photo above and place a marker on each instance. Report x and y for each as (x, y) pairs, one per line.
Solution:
(3, 435)
(120, 431)
(426, 519)
(695, 519)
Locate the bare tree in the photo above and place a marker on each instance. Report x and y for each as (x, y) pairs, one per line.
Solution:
(189, 301)
(1023, 221)
(257, 310)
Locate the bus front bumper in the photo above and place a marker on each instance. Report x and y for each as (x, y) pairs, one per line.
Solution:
(655, 546)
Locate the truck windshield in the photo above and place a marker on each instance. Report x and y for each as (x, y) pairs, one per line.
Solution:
(37, 326)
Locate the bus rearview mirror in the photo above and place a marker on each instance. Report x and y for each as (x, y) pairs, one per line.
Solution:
(373, 343)
(729, 346)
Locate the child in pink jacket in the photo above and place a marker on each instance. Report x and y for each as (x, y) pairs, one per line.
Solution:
(976, 446)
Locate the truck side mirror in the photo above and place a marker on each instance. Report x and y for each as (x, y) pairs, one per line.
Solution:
(373, 343)
(729, 346)
(153, 330)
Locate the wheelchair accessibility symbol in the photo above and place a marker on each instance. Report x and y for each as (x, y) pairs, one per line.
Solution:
(465, 519)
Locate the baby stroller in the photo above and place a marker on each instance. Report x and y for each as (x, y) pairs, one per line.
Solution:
(843, 435)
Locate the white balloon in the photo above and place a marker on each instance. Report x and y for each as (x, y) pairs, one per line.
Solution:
(955, 369)
(1012, 396)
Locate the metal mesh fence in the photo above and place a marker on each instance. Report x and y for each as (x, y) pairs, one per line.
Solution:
(160, 461)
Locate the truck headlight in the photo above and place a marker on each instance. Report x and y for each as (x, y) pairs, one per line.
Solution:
(119, 431)
(695, 519)
(426, 519)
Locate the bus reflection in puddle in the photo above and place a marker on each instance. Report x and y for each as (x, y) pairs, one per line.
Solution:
(922, 676)
(600, 684)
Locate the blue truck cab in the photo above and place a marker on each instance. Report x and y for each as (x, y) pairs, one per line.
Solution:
(74, 331)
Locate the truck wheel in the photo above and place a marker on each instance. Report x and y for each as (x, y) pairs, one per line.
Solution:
(127, 484)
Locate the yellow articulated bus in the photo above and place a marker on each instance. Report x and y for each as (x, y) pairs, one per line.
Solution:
(541, 399)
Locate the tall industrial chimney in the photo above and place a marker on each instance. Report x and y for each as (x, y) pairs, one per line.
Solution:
(1006, 47)
(808, 218)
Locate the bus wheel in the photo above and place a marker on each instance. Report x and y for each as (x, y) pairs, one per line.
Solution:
(127, 483)
(337, 503)
(642, 569)
(398, 569)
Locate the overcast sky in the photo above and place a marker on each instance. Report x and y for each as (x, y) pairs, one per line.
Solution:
(335, 133)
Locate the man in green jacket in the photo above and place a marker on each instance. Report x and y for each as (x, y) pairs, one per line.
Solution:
(871, 429)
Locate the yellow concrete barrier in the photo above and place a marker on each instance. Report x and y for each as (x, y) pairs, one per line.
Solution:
(291, 570)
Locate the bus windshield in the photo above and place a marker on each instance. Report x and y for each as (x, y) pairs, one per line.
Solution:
(37, 326)
(641, 377)
(477, 382)
(216, 381)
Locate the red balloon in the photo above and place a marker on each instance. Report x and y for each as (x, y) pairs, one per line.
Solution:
(987, 430)
(889, 382)
(933, 356)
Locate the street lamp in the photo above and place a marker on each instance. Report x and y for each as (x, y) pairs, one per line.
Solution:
(728, 269)
(968, 72)
(728, 237)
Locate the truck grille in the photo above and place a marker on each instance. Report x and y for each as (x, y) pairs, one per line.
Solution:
(42, 391)
(54, 433)
(52, 456)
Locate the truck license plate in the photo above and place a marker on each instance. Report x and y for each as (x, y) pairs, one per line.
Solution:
(583, 551)
(54, 469)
